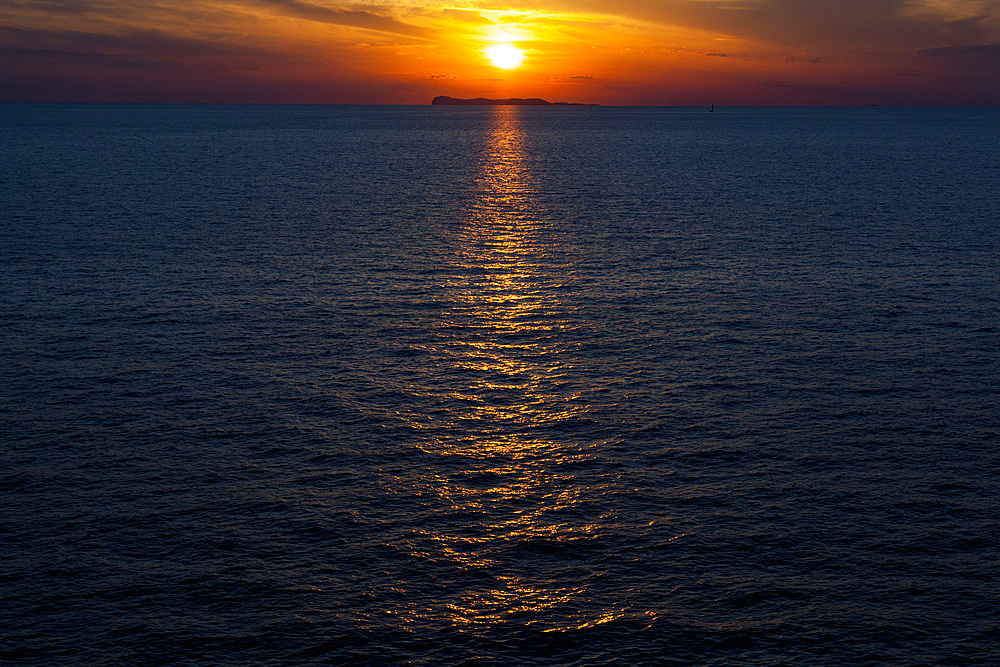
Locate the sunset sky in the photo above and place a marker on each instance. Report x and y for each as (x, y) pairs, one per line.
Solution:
(669, 52)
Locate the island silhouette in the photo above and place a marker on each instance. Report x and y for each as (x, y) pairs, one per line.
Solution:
(482, 101)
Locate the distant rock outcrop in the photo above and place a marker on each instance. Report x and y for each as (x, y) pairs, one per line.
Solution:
(515, 101)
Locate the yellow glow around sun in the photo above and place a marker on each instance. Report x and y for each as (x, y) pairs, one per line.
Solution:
(505, 56)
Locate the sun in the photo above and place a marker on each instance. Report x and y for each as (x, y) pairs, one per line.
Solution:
(505, 56)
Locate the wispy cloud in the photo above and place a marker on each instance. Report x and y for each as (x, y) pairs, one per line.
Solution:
(981, 50)
(126, 43)
(345, 16)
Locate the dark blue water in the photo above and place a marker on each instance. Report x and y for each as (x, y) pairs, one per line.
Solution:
(283, 385)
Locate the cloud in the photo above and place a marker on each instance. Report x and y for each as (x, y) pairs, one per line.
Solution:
(466, 15)
(582, 79)
(972, 28)
(347, 17)
(803, 59)
(64, 6)
(848, 25)
(22, 41)
(988, 50)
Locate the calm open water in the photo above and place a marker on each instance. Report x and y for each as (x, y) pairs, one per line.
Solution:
(502, 385)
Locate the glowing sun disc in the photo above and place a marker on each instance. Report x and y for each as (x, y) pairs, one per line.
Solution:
(505, 56)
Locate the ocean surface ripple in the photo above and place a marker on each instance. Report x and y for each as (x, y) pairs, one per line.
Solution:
(501, 385)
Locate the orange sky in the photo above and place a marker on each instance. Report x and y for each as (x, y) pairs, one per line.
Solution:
(670, 52)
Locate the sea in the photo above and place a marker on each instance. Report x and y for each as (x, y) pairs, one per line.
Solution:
(415, 385)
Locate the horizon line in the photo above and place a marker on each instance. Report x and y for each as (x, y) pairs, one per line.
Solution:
(560, 106)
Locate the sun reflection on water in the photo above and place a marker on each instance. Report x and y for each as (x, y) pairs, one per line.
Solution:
(509, 414)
